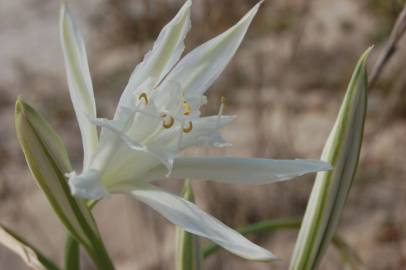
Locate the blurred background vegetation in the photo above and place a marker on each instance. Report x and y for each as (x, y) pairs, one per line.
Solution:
(285, 85)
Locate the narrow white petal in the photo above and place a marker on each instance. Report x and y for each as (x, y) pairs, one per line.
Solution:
(202, 66)
(190, 218)
(169, 97)
(79, 80)
(114, 128)
(205, 132)
(238, 170)
(165, 53)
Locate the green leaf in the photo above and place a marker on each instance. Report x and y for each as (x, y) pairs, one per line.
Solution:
(48, 161)
(331, 188)
(188, 255)
(29, 254)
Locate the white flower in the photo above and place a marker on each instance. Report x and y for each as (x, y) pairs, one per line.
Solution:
(157, 117)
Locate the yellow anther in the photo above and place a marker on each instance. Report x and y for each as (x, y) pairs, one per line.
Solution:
(189, 128)
(168, 121)
(144, 96)
(222, 100)
(186, 108)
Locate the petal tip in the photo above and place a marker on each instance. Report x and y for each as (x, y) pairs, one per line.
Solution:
(261, 255)
(185, 9)
(255, 8)
(63, 9)
(327, 166)
(188, 3)
(322, 166)
(317, 165)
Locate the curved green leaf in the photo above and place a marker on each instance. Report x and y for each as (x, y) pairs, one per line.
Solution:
(72, 253)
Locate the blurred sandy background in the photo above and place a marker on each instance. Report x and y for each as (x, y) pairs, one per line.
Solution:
(285, 84)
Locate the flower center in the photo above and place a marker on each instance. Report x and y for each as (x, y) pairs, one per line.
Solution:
(167, 120)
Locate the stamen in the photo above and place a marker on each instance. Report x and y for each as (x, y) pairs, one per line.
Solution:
(168, 120)
(189, 128)
(221, 109)
(222, 100)
(186, 108)
(179, 144)
(144, 96)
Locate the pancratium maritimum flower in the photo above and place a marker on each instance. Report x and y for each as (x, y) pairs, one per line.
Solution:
(157, 117)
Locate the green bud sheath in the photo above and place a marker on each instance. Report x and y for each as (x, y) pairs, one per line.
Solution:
(48, 160)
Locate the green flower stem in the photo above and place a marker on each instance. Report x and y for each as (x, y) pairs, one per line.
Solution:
(91, 204)
(98, 254)
(347, 254)
(100, 257)
(72, 253)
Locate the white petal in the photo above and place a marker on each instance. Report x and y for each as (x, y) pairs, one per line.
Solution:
(169, 97)
(238, 170)
(112, 141)
(190, 218)
(146, 122)
(114, 128)
(202, 66)
(79, 80)
(165, 53)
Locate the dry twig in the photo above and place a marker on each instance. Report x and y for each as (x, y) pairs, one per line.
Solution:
(390, 47)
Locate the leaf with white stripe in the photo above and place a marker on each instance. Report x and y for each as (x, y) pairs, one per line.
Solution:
(331, 188)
